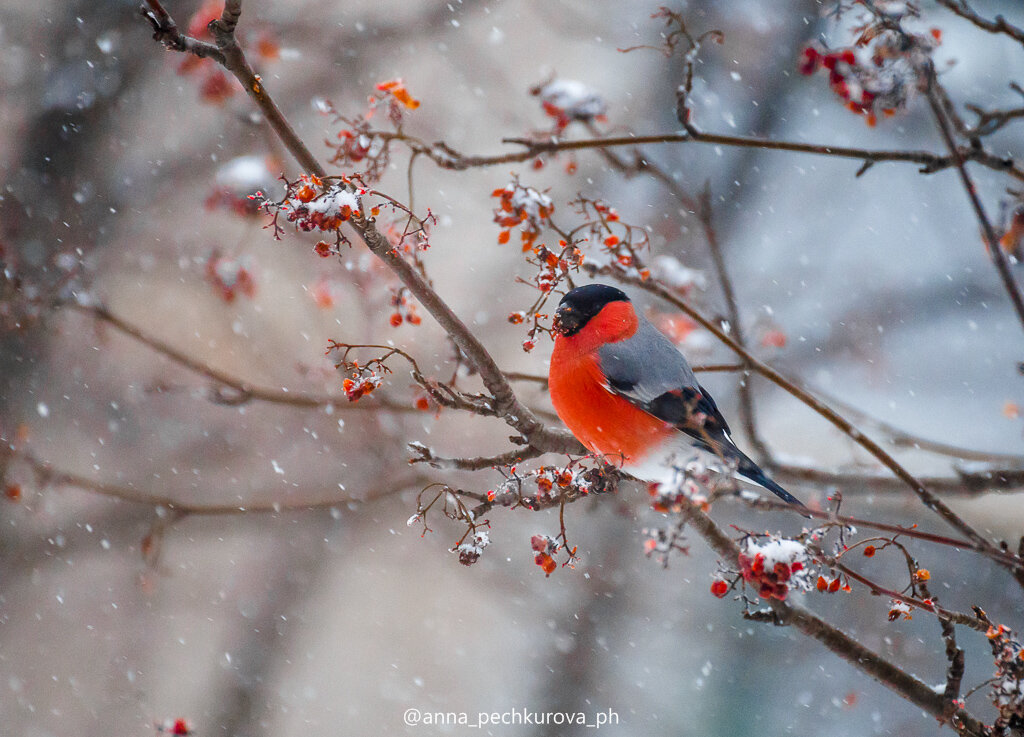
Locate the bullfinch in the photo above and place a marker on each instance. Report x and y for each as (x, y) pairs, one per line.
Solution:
(628, 394)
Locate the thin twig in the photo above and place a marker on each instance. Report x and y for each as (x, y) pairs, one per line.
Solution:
(988, 231)
(966, 483)
(426, 455)
(912, 532)
(447, 157)
(51, 476)
(998, 25)
(244, 391)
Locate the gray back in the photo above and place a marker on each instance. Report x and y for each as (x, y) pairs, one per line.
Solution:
(645, 365)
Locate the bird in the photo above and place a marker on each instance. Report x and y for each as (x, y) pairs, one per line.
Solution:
(628, 394)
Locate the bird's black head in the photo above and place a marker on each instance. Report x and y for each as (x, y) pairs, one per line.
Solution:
(583, 303)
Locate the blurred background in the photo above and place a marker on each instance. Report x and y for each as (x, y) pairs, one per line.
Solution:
(116, 616)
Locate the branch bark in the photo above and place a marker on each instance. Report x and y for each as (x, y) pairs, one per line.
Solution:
(840, 643)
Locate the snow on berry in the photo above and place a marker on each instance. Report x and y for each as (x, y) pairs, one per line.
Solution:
(881, 75)
(545, 547)
(567, 100)
(358, 387)
(177, 726)
(1007, 692)
(469, 550)
(899, 610)
(672, 497)
(326, 211)
(774, 566)
(231, 276)
(524, 207)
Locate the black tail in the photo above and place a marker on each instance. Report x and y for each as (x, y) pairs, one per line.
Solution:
(750, 470)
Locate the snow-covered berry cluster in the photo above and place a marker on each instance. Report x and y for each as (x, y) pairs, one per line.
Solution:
(360, 385)
(524, 207)
(1007, 692)
(545, 548)
(774, 566)
(231, 276)
(880, 74)
(567, 100)
(471, 547)
(673, 496)
(311, 206)
(898, 609)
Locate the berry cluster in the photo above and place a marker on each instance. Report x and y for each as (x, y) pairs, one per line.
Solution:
(550, 476)
(545, 547)
(673, 497)
(884, 83)
(405, 309)
(771, 566)
(323, 210)
(524, 207)
(567, 100)
(1008, 683)
(360, 385)
(470, 548)
(231, 276)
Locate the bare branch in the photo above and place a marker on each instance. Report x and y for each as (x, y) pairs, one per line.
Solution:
(991, 238)
(48, 475)
(967, 483)
(998, 25)
(244, 391)
(165, 30)
(426, 455)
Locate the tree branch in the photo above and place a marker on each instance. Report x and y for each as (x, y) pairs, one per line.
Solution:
(447, 157)
(998, 25)
(49, 475)
(841, 644)
(245, 391)
(989, 233)
(506, 404)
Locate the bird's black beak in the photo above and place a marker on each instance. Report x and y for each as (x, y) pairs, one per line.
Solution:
(567, 321)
